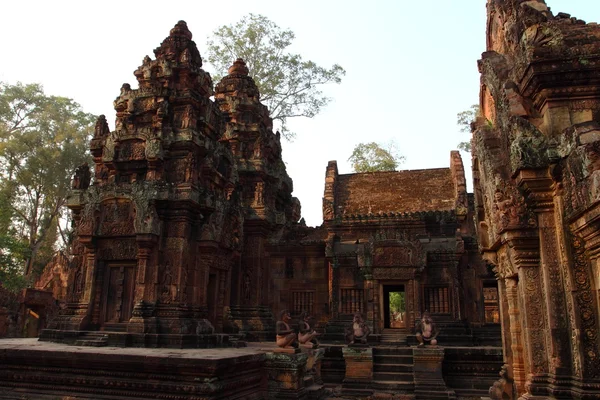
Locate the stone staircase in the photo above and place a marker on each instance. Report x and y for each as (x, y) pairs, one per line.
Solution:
(394, 336)
(393, 369)
(92, 339)
(114, 327)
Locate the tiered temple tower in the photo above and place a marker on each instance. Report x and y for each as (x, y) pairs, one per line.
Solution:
(266, 195)
(159, 230)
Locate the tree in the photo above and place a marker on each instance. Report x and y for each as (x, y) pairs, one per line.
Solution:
(371, 157)
(289, 86)
(42, 140)
(13, 250)
(397, 302)
(464, 120)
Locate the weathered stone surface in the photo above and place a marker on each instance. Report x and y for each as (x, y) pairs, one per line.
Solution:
(47, 369)
(535, 172)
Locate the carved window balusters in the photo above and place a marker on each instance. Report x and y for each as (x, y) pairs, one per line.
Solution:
(436, 300)
(352, 301)
(303, 301)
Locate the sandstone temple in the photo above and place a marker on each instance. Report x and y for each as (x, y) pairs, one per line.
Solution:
(188, 244)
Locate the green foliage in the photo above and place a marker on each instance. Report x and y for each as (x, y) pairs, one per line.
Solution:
(289, 86)
(372, 157)
(42, 140)
(397, 302)
(464, 120)
(13, 251)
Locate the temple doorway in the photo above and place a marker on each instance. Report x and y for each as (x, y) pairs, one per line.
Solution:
(119, 289)
(394, 306)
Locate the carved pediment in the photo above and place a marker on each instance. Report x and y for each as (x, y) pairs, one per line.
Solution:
(116, 218)
(393, 250)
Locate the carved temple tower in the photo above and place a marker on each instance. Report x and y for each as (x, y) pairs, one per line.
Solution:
(159, 230)
(536, 147)
(267, 200)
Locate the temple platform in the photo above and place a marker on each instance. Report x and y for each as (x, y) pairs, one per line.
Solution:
(33, 369)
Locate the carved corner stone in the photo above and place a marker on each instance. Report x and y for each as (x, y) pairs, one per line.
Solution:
(285, 374)
(429, 382)
(359, 364)
(359, 370)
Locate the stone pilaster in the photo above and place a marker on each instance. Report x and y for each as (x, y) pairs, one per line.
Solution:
(518, 363)
(539, 187)
(522, 250)
(585, 282)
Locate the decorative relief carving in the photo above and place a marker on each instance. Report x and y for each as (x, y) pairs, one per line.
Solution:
(394, 273)
(259, 189)
(394, 248)
(328, 212)
(394, 255)
(588, 334)
(510, 210)
(167, 289)
(122, 249)
(116, 218)
(131, 150)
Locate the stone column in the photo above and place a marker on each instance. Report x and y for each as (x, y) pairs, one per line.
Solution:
(369, 288)
(521, 251)
(221, 300)
(142, 317)
(334, 288)
(518, 364)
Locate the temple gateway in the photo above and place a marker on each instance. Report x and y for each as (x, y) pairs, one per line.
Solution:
(188, 237)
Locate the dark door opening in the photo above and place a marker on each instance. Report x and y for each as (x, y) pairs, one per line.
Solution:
(394, 306)
(119, 292)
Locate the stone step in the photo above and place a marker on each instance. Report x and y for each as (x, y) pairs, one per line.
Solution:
(408, 368)
(398, 387)
(392, 351)
(392, 359)
(91, 339)
(91, 343)
(394, 376)
(114, 327)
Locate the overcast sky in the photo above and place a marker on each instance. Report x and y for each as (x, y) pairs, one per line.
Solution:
(411, 66)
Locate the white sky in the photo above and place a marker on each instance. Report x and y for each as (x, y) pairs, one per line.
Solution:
(411, 66)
